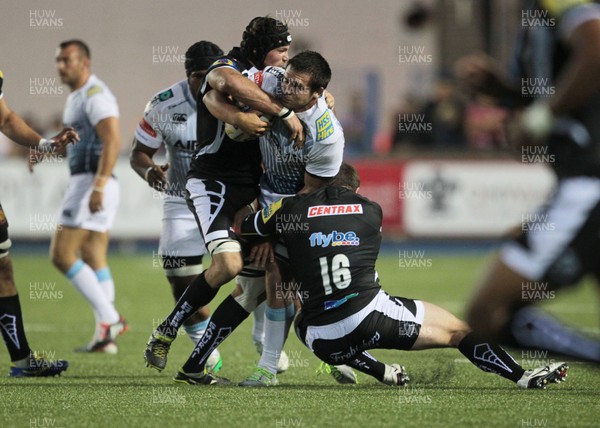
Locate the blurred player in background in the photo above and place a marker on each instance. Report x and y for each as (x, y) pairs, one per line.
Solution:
(559, 119)
(170, 120)
(224, 174)
(80, 244)
(25, 363)
(345, 311)
(286, 169)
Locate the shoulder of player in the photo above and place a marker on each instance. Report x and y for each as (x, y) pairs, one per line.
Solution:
(347, 195)
(323, 124)
(227, 61)
(165, 98)
(558, 8)
(94, 87)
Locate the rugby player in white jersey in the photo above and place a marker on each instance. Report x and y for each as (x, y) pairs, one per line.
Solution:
(24, 361)
(170, 121)
(80, 243)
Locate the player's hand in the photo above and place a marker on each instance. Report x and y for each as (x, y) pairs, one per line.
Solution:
(156, 176)
(262, 253)
(96, 199)
(329, 99)
(296, 131)
(63, 139)
(518, 137)
(251, 123)
(239, 217)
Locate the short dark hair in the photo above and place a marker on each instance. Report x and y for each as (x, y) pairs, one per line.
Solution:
(347, 177)
(200, 56)
(312, 63)
(83, 48)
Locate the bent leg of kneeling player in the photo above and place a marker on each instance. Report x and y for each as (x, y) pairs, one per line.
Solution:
(232, 311)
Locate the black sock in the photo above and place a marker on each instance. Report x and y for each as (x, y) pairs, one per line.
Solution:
(222, 322)
(490, 357)
(11, 324)
(198, 294)
(367, 364)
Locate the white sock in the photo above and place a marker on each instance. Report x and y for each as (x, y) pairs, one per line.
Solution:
(107, 283)
(276, 330)
(85, 281)
(258, 331)
(196, 331)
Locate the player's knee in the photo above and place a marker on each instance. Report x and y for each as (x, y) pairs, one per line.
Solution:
(488, 321)
(7, 282)
(457, 333)
(249, 293)
(58, 258)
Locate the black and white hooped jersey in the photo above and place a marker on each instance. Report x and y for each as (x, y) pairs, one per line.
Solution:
(541, 55)
(333, 237)
(170, 119)
(219, 157)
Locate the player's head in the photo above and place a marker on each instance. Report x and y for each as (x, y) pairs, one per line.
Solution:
(198, 59)
(266, 41)
(306, 77)
(347, 177)
(73, 62)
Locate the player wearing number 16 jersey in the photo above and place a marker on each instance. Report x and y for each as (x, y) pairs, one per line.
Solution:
(344, 310)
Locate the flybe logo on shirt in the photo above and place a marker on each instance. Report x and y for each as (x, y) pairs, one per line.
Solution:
(324, 210)
(324, 126)
(335, 239)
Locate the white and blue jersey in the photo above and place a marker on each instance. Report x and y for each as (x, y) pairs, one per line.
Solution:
(170, 119)
(85, 108)
(321, 155)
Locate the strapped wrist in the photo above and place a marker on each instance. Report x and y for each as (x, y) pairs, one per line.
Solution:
(147, 171)
(45, 146)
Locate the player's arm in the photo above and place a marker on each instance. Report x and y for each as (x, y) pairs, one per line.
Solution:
(219, 106)
(262, 223)
(18, 131)
(580, 78)
(15, 128)
(141, 162)
(108, 132)
(325, 158)
(231, 82)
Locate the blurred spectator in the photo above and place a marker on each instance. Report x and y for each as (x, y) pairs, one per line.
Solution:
(484, 123)
(405, 135)
(354, 127)
(445, 112)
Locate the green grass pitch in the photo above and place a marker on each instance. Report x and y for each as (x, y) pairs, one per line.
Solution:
(119, 391)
